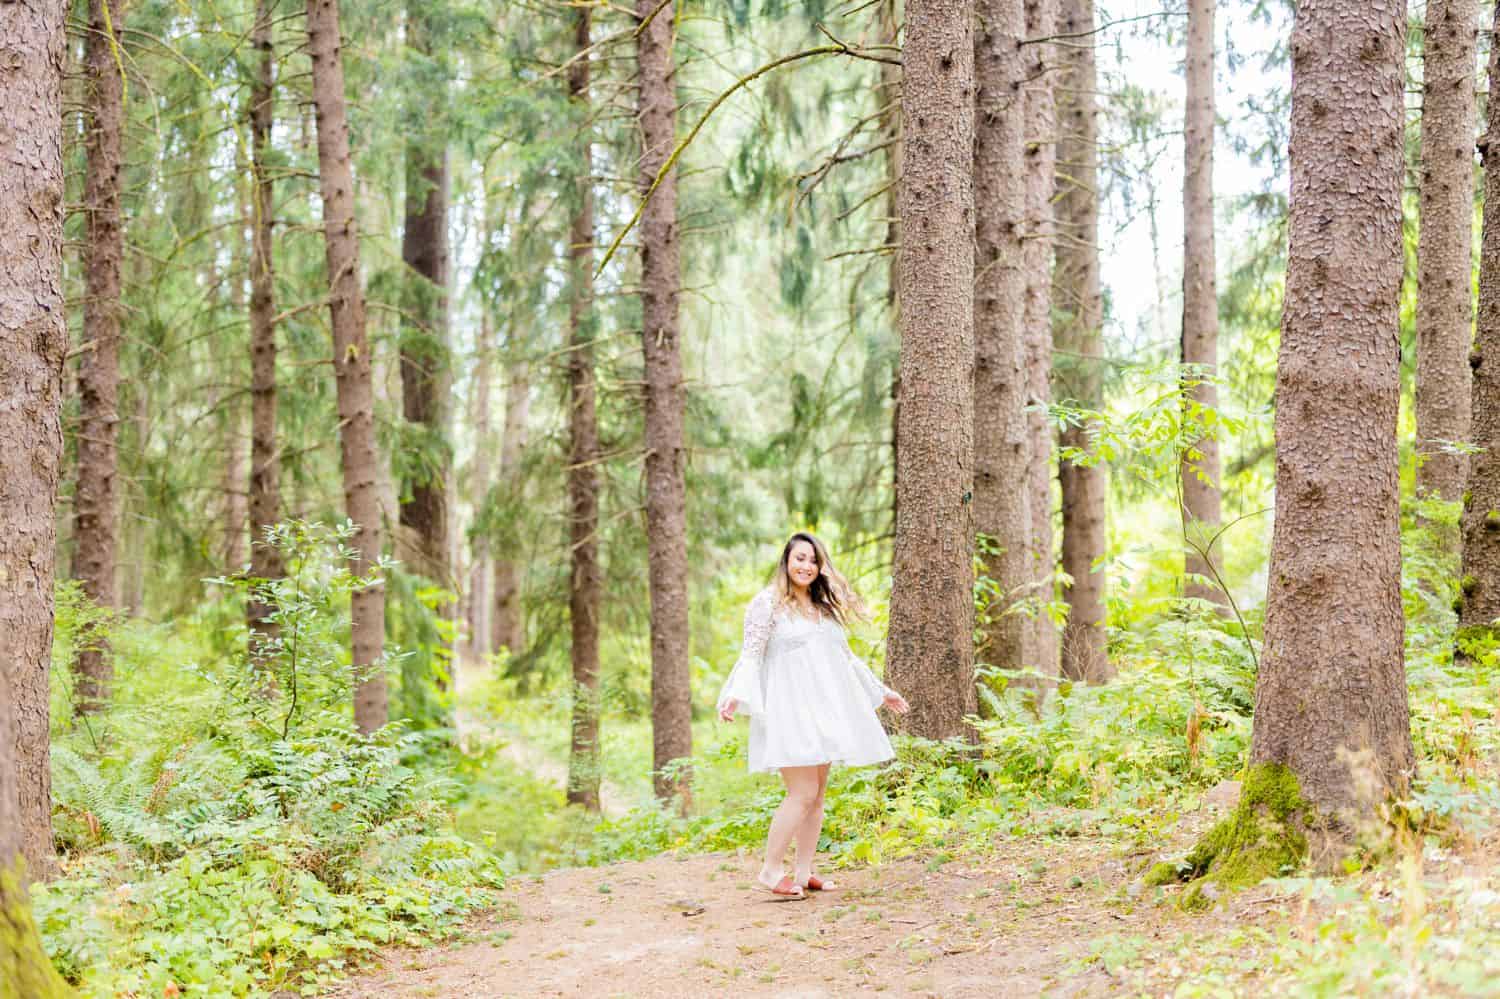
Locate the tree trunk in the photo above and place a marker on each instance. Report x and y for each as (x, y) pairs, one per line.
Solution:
(1445, 244)
(424, 330)
(25, 971)
(1200, 308)
(1080, 342)
(477, 591)
(95, 502)
(265, 494)
(1041, 164)
(351, 361)
(1332, 681)
(1002, 511)
(33, 340)
(890, 114)
(1480, 590)
(931, 644)
(584, 586)
(236, 509)
(507, 621)
(666, 404)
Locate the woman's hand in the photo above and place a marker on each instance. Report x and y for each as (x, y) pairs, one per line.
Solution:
(726, 713)
(895, 702)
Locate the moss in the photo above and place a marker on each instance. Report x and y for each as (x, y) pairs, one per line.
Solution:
(1492, 520)
(1264, 836)
(1468, 585)
(1468, 498)
(25, 972)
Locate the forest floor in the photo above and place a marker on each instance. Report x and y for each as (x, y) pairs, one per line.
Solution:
(1062, 916)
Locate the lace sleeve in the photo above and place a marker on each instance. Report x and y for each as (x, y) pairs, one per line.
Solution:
(874, 690)
(745, 685)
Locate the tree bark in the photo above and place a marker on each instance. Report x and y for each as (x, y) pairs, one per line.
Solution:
(584, 584)
(1200, 474)
(33, 341)
(931, 644)
(477, 591)
(95, 501)
(236, 500)
(1080, 342)
(265, 492)
(666, 404)
(507, 622)
(1480, 589)
(1041, 165)
(1002, 504)
(890, 115)
(1445, 244)
(424, 331)
(351, 361)
(1332, 681)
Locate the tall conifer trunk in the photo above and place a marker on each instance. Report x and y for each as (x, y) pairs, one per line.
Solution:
(1332, 682)
(1445, 309)
(584, 585)
(1079, 339)
(1200, 305)
(1480, 593)
(351, 360)
(424, 333)
(478, 589)
(1041, 164)
(33, 340)
(265, 492)
(507, 623)
(931, 644)
(95, 502)
(666, 402)
(1002, 446)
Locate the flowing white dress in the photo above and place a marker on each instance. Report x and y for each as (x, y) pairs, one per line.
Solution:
(810, 699)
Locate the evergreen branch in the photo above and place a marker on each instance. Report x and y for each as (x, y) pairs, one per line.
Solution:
(839, 48)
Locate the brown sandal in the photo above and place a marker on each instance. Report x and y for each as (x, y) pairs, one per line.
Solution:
(815, 883)
(786, 890)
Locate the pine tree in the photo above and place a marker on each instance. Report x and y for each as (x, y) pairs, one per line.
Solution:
(931, 645)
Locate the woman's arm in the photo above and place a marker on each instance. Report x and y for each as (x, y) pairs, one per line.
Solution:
(742, 691)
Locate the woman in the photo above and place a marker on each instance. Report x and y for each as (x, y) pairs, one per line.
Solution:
(811, 702)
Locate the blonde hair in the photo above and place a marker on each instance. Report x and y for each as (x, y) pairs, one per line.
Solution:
(830, 591)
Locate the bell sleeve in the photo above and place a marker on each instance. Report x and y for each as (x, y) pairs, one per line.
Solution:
(746, 683)
(874, 690)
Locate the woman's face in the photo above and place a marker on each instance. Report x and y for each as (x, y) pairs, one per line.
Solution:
(802, 564)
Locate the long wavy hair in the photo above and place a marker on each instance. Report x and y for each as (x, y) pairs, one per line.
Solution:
(830, 592)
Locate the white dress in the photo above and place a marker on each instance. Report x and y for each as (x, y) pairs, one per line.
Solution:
(810, 699)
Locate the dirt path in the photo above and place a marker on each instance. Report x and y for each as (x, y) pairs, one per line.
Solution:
(1028, 918)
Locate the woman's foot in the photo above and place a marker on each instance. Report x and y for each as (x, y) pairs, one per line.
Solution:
(780, 885)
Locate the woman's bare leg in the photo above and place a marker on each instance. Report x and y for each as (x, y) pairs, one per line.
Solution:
(811, 830)
(801, 796)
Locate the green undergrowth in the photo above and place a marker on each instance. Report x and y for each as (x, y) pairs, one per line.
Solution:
(217, 839)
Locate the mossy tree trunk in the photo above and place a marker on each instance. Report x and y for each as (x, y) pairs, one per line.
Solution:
(931, 644)
(1332, 680)
(33, 340)
(1480, 596)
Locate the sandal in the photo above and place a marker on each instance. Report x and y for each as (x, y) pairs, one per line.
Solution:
(786, 890)
(815, 883)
